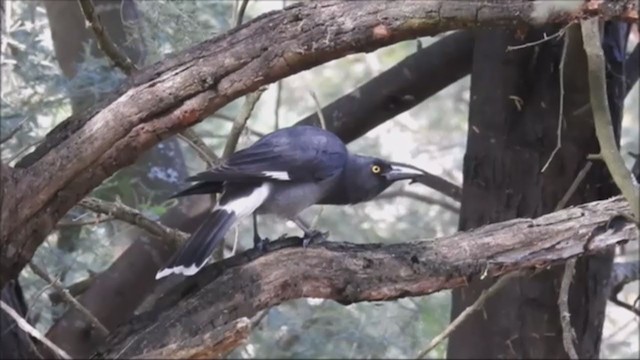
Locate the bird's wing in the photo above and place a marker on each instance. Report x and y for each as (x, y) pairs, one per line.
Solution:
(281, 161)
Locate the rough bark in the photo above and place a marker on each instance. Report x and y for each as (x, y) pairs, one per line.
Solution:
(506, 150)
(118, 291)
(180, 91)
(347, 273)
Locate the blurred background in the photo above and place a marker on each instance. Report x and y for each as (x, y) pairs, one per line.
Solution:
(39, 90)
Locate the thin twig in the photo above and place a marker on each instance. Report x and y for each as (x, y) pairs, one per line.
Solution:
(240, 15)
(467, 312)
(204, 152)
(278, 103)
(132, 216)
(104, 41)
(561, 105)
(247, 127)
(538, 42)
(13, 131)
(75, 289)
(95, 221)
(241, 121)
(568, 335)
(574, 186)
(68, 298)
(26, 327)
(602, 116)
(323, 123)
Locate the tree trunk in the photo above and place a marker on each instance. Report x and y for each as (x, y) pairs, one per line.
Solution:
(513, 122)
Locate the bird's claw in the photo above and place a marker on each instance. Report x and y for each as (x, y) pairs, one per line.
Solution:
(314, 236)
(261, 244)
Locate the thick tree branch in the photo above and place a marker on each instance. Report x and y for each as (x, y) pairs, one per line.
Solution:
(242, 285)
(174, 94)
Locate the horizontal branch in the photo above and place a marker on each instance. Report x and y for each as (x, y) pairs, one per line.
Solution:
(180, 91)
(242, 285)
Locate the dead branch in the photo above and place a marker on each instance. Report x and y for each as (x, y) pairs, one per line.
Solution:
(104, 40)
(240, 122)
(477, 305)
(242, 285)
(568, 334)
(26, 327)
(75, 289)
(122, 212)
(68, 298)
(202, 150)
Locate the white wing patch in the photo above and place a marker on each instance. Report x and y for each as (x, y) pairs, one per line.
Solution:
(248, 204)
(277, 175)
(186, 271)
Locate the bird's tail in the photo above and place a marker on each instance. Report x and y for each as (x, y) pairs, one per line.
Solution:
(192, 256)
(233, 206)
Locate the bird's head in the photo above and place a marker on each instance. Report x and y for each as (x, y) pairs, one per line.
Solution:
(369, 176)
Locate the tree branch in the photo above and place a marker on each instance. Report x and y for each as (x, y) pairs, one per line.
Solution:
(24, 325)
(180, 91)
(215, 344)
(240, 122)
(419, 197)
(122, 212)
(602, 116)
(104, 41)
(477, 305)
(242, 285)
(68, 298)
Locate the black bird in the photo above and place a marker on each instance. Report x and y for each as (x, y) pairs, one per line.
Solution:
(283, 173)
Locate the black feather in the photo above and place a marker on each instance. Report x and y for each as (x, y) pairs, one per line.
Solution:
(200, 188)
(203, 241)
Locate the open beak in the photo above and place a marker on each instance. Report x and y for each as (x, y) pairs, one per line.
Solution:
(400, 171)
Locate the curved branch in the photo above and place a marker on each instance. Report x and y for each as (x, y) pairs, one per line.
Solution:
(180, 91)
(623, 178)
(242, 285)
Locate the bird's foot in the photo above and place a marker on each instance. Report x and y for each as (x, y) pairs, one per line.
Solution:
(314, 236)
(262, 244)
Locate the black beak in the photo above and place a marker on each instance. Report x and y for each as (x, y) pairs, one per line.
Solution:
(398, 171)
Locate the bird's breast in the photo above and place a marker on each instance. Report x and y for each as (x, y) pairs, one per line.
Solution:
(288, 199)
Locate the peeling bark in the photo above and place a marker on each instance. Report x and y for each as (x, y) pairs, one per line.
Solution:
(347, 273)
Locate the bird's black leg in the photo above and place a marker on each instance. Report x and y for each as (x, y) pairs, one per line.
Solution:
(258, 242)
(310, 235)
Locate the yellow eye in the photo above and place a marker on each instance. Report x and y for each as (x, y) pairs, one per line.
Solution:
(375, 169)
